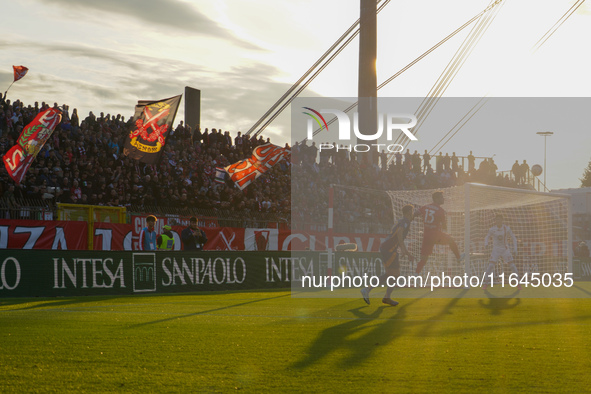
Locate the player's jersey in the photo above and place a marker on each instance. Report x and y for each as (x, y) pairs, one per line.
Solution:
(433, 217)
(391, 243)
(500, 237)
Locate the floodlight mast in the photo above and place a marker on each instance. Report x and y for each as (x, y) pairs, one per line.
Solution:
(545, 134)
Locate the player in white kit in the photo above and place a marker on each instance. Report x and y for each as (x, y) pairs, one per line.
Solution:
(501, 234)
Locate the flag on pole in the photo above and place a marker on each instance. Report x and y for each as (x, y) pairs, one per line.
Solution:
(152, 122)
(18, 159)
(19, 72)
(264, 157)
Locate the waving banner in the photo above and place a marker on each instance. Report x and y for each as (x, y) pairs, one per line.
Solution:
(263, 158)
(152, 120)
(220, 175)
(19, 72)
(19, 158)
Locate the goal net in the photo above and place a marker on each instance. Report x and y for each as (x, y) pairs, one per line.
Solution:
(540, 222)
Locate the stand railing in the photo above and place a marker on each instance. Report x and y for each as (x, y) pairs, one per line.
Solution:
(529, 179)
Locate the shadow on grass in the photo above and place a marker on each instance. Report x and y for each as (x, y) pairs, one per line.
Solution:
(582, 290)
(375, 331)
(39, 303)
(207, 311)
(447, 310)
(496, 305)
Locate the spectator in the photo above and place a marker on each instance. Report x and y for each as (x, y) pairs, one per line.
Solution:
(471, 163)
(516, 169)
(454, 163)
(165, 241)
(148, 234)
(524, 172)
(193, 237)
(426, 161)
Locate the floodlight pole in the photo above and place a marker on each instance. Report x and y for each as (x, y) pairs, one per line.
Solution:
(368, 79)
(545, 134)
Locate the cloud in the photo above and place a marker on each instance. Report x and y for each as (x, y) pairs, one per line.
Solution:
(167, 13)
(69, 50)
(585, 9)
(232, 100)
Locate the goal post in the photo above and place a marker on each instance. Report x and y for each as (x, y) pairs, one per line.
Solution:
(540, 221)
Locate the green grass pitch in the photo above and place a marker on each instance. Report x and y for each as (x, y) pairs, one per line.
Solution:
(268, 341)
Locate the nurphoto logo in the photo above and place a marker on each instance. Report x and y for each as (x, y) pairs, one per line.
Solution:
(391, 122)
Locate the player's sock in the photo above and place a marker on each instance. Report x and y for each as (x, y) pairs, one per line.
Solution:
(420, 266)
(365, 295)
(381, 279)
(389, 292)
(514, 268)
(454, 248)
(489, 270)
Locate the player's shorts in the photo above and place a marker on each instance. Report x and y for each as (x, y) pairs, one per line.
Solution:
(432, 238)
(390, 259)
(503, 253)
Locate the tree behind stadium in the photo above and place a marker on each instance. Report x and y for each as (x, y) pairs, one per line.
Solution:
(586, 179)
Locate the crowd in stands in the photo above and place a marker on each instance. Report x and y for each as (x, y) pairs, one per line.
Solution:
(83, 163)
(316, 169)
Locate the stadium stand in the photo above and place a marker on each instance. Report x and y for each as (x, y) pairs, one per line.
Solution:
(82, 163)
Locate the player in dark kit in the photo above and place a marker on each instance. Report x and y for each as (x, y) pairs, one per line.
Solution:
(390, 255)
(434, 225)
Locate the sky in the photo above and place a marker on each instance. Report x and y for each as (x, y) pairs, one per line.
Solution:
(104, 56)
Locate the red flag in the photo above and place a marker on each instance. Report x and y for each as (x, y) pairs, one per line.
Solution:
(19, 158)
(19, 72)
(263, 158)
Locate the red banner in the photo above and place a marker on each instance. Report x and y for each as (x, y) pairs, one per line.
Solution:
(39, 234)
(112, 236)
(18, 159)
(244, 172)
(36, 234)
(19, 72)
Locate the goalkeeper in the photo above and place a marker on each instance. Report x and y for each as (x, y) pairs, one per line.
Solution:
(390, 255)
(500, 234)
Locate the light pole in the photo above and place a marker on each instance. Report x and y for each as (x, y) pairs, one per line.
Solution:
(545, 134)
